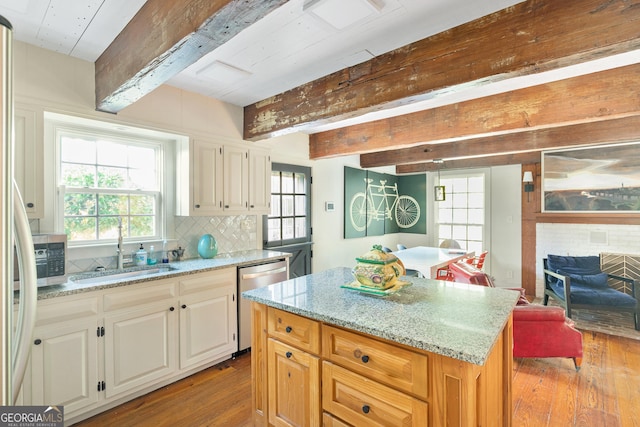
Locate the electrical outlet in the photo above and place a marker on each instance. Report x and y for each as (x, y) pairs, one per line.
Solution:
(509, 274)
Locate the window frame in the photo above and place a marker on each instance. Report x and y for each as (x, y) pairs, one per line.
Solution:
(164, 144)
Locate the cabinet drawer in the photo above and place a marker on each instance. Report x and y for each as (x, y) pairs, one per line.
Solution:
(204, 281)
(361, 401)
(329, 420)
(389, 364)
(61, 309)
(295, 330)
(133, 297)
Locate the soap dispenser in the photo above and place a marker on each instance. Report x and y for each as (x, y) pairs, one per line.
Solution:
(141, 256)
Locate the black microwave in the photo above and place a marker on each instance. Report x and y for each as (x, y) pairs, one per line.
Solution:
(50, 254)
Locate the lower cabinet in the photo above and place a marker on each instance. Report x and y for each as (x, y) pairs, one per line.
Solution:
(90, 350)
(318, 374)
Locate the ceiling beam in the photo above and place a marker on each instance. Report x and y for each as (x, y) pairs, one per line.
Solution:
(594, 97)
(164, 38)
(475, 162)
(525, 39)
(625, 129)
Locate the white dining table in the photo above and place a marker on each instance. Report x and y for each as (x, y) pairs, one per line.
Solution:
(428, 260)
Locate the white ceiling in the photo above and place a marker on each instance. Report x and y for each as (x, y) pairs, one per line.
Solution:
(287, 48)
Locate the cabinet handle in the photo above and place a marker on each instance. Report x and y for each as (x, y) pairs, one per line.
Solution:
(288, 329)
(365, 359)
(226, 206)
(288, 354)
(171, 308)
(38, 341)
(184, 305)
(251, 206)
(366, 409)
(30, 205)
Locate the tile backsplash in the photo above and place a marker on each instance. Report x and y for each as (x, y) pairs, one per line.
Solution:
(233, 233)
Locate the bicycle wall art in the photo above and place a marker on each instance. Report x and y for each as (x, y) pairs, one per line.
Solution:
(377, 203)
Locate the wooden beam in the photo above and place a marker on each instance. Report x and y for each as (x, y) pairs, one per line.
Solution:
(475, 162)
(164, 38)
(594, 97)
(525, 39)
(625, 129)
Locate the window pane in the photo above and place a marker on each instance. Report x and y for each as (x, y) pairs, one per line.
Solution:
(108, 227)
(78, 175)
(444, 232)
(275, 205)
(476, 184)
(476, 216)
(476, 200)
(142, 226)
(275, 182)
(445, 215)
(475, 233)
(301, 227)
(77, 150)
(300, 180)
(287, 182)
(112, 154)
(83, 228)
(287, 228)
(459, 185)
(287, 205)
(112, 177)
(113, 204)
(301, 207)
(141, 157)
(142, 179)
(274, 229)
(79, 204)
(459, 216)
(459, 232)
(459, 200)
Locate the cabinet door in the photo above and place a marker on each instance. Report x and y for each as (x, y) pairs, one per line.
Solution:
(236, 186)
(207, 176)
(207, 326)
(259, 181)
(64, 364)
(139, 347)
(294, 386)
(29, 160)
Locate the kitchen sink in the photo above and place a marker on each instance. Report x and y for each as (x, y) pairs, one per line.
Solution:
(89, 278)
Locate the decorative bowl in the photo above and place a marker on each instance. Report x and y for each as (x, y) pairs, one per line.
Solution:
(377, 269)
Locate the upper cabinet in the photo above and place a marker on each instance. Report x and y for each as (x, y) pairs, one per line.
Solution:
(29, 158)
(222, 179)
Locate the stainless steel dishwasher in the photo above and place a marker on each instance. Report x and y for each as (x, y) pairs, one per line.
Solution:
(253, 277)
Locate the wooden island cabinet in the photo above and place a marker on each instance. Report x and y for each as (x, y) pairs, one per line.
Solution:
(315, 364)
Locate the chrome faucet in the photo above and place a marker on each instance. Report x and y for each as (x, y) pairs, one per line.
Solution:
(120, 248)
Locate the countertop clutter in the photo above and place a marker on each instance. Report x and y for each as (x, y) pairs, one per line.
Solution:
(190, 266)
(451, 319)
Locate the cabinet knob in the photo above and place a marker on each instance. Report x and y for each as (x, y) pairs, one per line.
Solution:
(38, 341)
(30, 205)
(184, 305)
(171, 308)
(288, 329)
(366, 409)
(251, 206)
(288, 354)
(365, 359)
(226, 206)
(197, 206)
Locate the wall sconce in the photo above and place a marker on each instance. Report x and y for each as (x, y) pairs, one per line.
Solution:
(527, 178)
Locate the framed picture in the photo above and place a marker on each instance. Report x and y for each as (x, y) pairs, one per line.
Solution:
(603, 178)
(438, 190)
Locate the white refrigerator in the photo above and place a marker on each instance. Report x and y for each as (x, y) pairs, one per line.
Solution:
(15, 238)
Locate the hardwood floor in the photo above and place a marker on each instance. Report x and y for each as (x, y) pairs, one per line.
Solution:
(546, 392)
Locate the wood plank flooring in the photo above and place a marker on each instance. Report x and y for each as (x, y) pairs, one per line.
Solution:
(546, 392)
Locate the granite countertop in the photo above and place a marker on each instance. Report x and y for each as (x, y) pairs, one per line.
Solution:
(190, 266)
(452, 319)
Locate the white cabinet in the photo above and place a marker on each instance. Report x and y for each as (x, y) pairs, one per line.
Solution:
(140, 336)
(199, 180)
(259, 181)
(29, 158)
(206, 300)
(64, 355)
(222, 178)
(236, 179)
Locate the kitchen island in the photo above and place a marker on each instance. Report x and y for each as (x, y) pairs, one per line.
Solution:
(434, 353)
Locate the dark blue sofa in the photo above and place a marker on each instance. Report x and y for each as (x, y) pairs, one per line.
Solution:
(577, 282)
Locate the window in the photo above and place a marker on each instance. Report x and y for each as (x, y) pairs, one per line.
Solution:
(107, 177)
(289, 220)
(461, 216)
